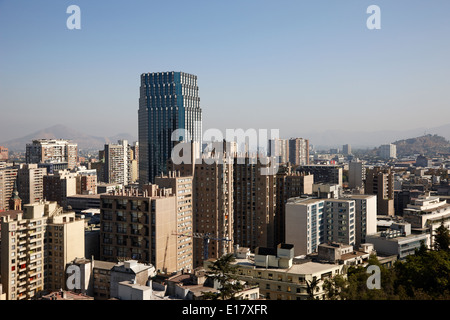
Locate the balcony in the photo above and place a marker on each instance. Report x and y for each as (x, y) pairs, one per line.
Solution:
(136, 231)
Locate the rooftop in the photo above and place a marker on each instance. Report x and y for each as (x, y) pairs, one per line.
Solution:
(305, 268)
(66, 295)
(105, 265)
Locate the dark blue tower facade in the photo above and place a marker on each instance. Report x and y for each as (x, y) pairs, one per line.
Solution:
(168, 101)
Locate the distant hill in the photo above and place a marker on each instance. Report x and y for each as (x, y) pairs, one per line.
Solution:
(84, 140)
(427, 144)
(325, 139)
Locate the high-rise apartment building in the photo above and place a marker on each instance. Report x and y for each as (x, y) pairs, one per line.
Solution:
(182, 188)
(59, 186)
(356, 174)
(140, 226)
(254, 201)
(299, 151)
(36, 245)
(168, 101)
(8, 177)
(310, 222)
(380, 182)
(365, 216)
(279, 148)
(347, 149)
(388, 151)
(52, 151)
(213, 201)
(289, 184)
(86, 180)
(117, 166)
(30, 182)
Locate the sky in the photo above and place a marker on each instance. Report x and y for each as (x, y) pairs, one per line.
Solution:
(297, 66)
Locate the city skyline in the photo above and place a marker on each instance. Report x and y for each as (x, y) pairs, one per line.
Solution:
(241, 150)
(314, 60)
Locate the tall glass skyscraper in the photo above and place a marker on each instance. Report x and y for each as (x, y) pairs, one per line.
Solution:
(168, 101)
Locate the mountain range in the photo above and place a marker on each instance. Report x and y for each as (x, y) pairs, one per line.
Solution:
(320, 139)
(85, 141)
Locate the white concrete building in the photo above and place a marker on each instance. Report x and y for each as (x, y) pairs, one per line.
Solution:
(426, 213)
(398, 240)
(388, 151)
(366, 216)
(310, 222)
(285, 280)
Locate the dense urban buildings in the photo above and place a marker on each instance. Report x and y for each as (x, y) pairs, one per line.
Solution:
(168, 101)
(293, 150)
(142, 222)
(36, 244)
(52, 151)
(331, 174)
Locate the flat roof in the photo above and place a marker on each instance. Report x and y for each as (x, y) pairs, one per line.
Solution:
(303, 268)
(359, 196)
(305, 201)
(99, 264)
(86, 196)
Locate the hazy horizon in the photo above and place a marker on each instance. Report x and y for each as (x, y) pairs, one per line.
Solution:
(297, 66)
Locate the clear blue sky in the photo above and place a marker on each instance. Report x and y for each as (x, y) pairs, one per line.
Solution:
(296, 65)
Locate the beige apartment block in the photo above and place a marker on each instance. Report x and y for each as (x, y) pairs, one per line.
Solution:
(36, 244)
(182, 188)
(254, 194)
(299, 151)
(59, 186)
(213, 200)
(289, 184)
(2, 295)
(30, 182)
(8, 176)
(140, 226)
(380, 182)
(52, 151)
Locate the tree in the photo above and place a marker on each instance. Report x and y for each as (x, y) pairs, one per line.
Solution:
(424, 276)
(224, 272)
(442, 238)
(311, 287)
(333, 287)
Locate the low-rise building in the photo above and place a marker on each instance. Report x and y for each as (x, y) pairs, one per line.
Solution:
(426, 214)
(398, 240)
(278, 278)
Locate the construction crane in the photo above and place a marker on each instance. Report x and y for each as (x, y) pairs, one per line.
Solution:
(206, 238)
